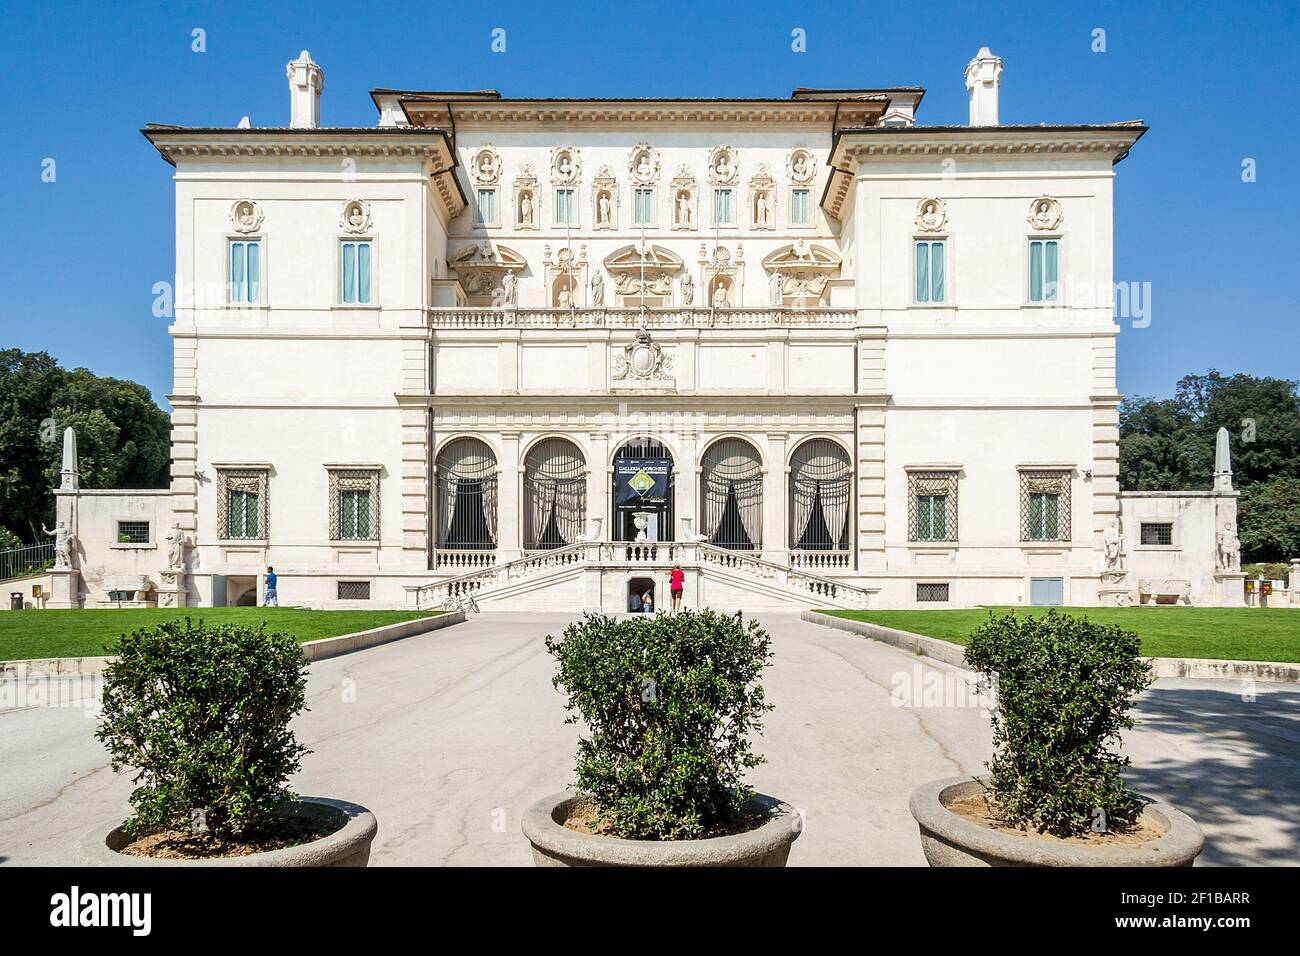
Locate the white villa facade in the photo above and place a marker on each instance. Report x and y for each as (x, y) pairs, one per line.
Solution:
(538, 351)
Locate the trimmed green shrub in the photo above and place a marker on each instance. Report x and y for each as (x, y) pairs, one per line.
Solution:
(202, 714)
(669, 702)
(1063, 686)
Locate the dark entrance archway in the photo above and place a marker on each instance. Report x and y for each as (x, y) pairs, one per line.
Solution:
(622, 526)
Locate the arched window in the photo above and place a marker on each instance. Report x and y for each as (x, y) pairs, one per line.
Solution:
(731, 495)
(466, 476)
(555, 494)
(821, 488)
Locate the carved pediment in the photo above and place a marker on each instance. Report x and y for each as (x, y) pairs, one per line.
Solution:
(482, 269)
(643, 269)
(800, 272)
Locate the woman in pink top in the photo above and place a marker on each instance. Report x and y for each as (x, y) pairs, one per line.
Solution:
(676, 582)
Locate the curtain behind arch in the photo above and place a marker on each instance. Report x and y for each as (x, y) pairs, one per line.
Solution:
(555, 492)
(821, 485)
(731, 495)
(467, 495)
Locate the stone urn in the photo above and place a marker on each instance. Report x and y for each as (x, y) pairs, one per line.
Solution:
(641, 521)
(554, 844)
(952, 840)
(347, 846)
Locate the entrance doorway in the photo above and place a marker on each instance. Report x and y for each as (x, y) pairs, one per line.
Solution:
(642, 482)
(636, 589)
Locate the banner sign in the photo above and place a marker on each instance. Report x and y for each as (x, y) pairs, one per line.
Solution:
(641, 481)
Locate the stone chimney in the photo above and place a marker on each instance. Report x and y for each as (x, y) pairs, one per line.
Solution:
(983, 77)
(306, 80)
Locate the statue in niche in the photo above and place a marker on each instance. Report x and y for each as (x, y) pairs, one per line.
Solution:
(931, 216)
(566, 296)
(643, 167)
(602, 208)
(486, 168)
(526, 209)
(509, 290)
(800, 166)
(688, 290)
(356, 217)
(598, 291)
(1045, 213)
(684, 208)
(774, 288)
(564, 166)
(720, 296)
(723, 167)
(762, 209)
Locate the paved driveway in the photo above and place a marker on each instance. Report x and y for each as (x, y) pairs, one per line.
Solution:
(449, 738)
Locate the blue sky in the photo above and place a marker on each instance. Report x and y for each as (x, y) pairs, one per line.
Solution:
(1216, 83)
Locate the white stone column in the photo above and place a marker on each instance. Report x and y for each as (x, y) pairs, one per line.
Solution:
(686, 485)
(776, 539)
(598, 482)
(509, 480)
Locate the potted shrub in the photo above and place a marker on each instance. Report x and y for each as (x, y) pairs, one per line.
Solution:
(669, 703)
(202, 714)
(1054, 796)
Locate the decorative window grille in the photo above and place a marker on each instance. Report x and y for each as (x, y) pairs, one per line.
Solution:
(731, 495)
(246, 272)
(1045, 505)
(801, 207)
(724, 212)
(643, 207)
(354, 590)
(133, 532)
(355, 272)
(486, 214)
(926, 593)
(242, 509)
(354, 504)
(932, 506)
(466, 494)
(1044, 269)
(1157, 533)
(930, 271)
(555, 494)
(821, 492)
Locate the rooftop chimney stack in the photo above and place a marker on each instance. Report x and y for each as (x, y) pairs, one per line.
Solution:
(983, 77)
(306, 80)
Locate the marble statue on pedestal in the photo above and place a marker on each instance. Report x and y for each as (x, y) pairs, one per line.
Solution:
(64, 543)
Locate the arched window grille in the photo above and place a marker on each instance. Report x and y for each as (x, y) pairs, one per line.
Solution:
(555, 494)
(466, 473)
(821, 490)
(731, 495)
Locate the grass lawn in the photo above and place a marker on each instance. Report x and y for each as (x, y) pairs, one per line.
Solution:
(83, 633)
(1227, 633)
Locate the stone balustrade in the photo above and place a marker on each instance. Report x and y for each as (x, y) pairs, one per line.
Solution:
(588, 318)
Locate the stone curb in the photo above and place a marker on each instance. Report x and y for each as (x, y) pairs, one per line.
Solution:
(320, 650)
(950, 653)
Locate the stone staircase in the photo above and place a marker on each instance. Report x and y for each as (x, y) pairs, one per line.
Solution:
(595, 571)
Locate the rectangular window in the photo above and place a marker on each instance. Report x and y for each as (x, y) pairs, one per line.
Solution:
(355, 272)
(242, 504)
(566, 207)
(246, 272)
(242, 513)
(1045, 505)
(643, 207)
(927, 593)
(487, 207)
(932, 505)
(1158, 533)
(133, 532)
(1044, 270)
(931, 512)
(929, 271)
(354, 504)
(801, 207)
(724, 213)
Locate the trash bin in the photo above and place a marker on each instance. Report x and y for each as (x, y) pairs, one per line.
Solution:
(15, 600)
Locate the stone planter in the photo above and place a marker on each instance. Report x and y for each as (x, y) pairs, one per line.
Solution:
(952, 840)
(556, 845)
(348, 846)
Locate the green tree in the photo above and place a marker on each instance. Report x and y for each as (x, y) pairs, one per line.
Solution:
(1268, 520)
(122, 436)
